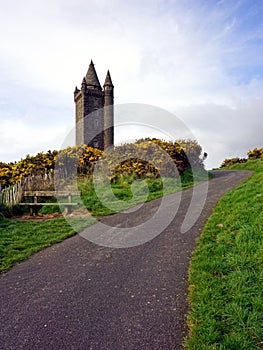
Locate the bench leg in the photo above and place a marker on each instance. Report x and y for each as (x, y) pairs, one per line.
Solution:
(34, 210)
(69, 207)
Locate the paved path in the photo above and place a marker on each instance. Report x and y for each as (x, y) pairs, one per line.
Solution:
(82, 296)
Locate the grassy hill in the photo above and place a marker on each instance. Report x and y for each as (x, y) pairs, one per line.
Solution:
(226, 272)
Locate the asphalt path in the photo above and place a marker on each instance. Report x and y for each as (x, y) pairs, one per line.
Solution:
(83, 296)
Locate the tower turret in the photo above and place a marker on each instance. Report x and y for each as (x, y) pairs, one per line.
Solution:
(83, 84)
(76, 90)
(108, 111)
(92, 78)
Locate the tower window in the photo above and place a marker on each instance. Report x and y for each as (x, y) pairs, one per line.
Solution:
(96, 112)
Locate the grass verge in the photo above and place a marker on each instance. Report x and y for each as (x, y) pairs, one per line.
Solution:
(226, 272)
(20, 239)
(129, 191)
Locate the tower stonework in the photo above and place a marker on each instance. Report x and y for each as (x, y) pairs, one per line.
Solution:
(94, 111)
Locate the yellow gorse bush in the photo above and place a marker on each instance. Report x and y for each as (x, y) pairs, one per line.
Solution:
(256, 153)
(131, 158)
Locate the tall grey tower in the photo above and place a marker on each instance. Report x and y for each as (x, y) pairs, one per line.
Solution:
(96, 129)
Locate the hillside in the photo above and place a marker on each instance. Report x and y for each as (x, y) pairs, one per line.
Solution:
(226, 273)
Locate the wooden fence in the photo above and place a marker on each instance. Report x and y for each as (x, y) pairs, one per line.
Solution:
(13, 195)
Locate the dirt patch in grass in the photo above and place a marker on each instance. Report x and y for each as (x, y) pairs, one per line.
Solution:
(78, 213)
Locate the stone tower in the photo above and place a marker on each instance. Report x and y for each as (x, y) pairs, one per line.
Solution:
(94, 111)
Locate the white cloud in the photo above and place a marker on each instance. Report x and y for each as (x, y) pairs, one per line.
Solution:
(223, 131)
(20, 138)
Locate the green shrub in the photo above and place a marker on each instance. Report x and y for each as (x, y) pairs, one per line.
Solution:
(50, 209)
(17, 210)
(5, 211)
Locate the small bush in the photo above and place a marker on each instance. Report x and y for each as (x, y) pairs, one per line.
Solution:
(231, 161)
(256, 153)
(17, 210)
(50, 209)
(5, 211)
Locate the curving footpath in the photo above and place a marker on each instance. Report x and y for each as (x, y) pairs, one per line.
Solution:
(81, 296)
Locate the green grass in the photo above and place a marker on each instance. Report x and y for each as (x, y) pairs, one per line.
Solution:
(20, 239)
(226, 272)
(129, 191)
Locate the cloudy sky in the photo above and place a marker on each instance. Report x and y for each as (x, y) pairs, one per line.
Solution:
(201, 60)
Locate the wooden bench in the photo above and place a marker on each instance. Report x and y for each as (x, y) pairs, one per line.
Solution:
(34, 206)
